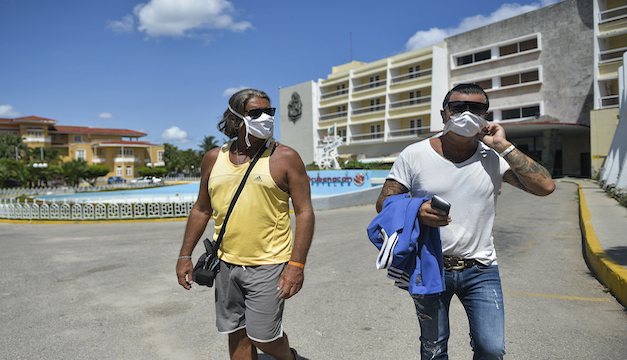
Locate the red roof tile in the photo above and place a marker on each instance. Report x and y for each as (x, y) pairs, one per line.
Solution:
(100, 131)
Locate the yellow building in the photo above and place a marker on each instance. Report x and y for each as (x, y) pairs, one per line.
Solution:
(120, 149)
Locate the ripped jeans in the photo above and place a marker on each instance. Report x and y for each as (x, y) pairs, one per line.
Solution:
(479, 290)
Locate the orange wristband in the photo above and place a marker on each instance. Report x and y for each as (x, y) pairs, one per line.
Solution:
(296, 264)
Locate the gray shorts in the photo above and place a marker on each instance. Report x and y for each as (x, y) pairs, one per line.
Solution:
(247, 297)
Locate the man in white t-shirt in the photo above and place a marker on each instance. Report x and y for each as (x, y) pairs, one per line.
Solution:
(464, 165)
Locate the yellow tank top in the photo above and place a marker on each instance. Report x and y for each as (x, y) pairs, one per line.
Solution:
(258, 231)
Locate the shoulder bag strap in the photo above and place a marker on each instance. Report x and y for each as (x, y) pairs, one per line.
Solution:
(237, 193)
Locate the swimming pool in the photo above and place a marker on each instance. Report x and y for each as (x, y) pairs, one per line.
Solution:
(323, 183)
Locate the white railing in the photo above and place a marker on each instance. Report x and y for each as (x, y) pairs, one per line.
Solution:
(335, 115)
(410, 102)
(20, 191)
(370, 85)
(611, 55)
(408, 132)
(367, 109)
(609, 101)
(333, 93)
(410, 76)
(613, 14)
(87, 210)
(378, 135)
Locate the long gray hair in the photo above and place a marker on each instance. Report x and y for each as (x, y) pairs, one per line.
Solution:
(231, 123)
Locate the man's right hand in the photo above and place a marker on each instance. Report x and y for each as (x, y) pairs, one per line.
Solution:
(431, 216)
(184, 268)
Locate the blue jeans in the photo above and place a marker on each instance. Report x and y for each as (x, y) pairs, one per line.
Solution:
(479, 290)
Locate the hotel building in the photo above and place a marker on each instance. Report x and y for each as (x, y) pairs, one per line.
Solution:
(550, 74)
(120, 149)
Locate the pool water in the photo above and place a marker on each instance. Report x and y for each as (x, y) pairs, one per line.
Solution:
(323, 183)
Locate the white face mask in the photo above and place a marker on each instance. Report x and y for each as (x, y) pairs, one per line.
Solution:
(261, 127)
(465, 124)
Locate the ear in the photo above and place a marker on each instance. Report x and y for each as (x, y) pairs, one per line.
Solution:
(443, 114)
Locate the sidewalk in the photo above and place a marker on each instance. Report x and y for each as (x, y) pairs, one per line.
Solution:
(604, 228)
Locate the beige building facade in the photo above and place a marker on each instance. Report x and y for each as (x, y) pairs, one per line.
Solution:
(120, 149)
(551, 75)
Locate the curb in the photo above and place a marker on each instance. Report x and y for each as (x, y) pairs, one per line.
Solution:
(610, 273)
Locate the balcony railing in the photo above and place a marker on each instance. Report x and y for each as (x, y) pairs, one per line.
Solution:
(613, 14)
(125, 158)
(332, 94)
(408, 132)
(370, 85)
(410, 76)
(378, 135)
(410, 102)
(611, 55)
(609, 101)
(368, 109)
(331, 116)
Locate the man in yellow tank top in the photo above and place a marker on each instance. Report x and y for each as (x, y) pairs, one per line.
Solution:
(258, 253)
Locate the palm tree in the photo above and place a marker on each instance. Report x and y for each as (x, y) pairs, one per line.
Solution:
(12, 146)
(208, 143)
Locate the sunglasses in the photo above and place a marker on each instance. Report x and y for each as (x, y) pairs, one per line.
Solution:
(255, 113)
(456, 107)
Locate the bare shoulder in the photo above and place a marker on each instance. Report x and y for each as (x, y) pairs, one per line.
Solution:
(287, 157)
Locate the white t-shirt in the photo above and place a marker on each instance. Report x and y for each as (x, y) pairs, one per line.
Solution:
(471, 187)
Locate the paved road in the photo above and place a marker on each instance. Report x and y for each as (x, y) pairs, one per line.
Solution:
(108, 291)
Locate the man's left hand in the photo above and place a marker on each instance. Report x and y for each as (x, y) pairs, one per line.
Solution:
(494, 137)
(291, 281)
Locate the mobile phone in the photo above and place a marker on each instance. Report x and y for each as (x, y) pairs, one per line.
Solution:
(441, 204)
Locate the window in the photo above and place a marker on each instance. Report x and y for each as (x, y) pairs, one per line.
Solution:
(520, 113)
(341, 89)
(80, 154)
(129, 171)
(508, 49)
(412, 96)
(485, 84)
(413, 71)
(374, 81)
(375, 131)
(118, 171)
(515, 79)
(78, 138)
(341, 111)
(531, 111)
(476, 57)
(35, 133)
(414, 126)
(484, 55)
(529, 76)
(62, 137)
(518, 47)
(374, 105)
(510, 80)
(128, 152)
(160, 156)
(342, 133)
(53, 136)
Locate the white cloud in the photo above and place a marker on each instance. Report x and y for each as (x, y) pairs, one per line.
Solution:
(177, 18)
(230, 91)
(433, 36)
(126, 25)
(8, 111)
(106, 115)
(175, 135)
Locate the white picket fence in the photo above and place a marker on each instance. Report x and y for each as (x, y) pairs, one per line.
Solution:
(87, 210)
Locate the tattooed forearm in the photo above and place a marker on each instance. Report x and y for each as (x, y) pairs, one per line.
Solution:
(528, 175)
(390, 187)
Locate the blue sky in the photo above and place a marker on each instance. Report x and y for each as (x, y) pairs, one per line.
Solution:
(168, 67)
